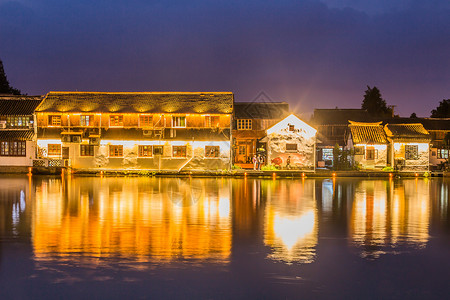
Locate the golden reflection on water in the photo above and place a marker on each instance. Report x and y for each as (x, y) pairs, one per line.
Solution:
(141, 218)
(291, 225)
(387, 214)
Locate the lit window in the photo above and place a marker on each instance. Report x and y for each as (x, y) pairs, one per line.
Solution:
(18, 121)
(179, 151)
(242, 150)
(54, 120)
(87, 120)
(179, 121)
(54, 149)
(244, 124)
(116, 121)
(371, 154)
(145, 151)
(212, 121)
(412, 152)
(145, 121)
(157, 150)
(291, 147)
(212, 151)
(327, 154)
(86, 150)
(13, 148)
(442, 153)
(115, 150)
(359, 150)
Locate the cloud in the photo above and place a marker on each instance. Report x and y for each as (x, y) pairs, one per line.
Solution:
(310, 53)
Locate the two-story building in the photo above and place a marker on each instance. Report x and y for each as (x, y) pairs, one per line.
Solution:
(147, 130)
(251, 119)
(17, 145)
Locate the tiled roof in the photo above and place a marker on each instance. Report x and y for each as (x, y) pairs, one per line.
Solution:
(16, 135)
(143, 102)
(428, 123)
(339, 116)
(367, 133)
(407, 131)
(261, 110)
(18, 105)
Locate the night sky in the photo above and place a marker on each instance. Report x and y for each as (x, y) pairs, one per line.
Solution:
(312, 54)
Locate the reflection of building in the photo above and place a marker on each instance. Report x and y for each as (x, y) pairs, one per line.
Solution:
(144, 219)
(169, 130)
(291, 227)
(17, 146)
(388, 216)
(251, 119)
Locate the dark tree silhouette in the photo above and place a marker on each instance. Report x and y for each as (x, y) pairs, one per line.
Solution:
(5, 88)
(413, 116)
(375, 104)
(443, 110)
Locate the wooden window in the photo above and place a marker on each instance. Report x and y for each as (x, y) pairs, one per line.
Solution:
(212, 151)
(371, 154)
(145, 121)
(13, 148)
(412, 152)
(179, 121)
(179, 151)
(145, 151)
(115, 150)
(18, 121)
(54, 149)
(242, 150)
(86, 150)
(116, 121)
(87, 120)
(442, 153)
(212, 121)
(291, 147)
(54, 120)
(158, 150)
(244, 124)
(291, 127)
(359, 150)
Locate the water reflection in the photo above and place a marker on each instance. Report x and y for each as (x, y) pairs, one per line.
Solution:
(95, 221)
(291, 221)
(137, 218)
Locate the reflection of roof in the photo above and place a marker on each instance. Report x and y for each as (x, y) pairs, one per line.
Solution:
(260, 110)
(18, 105)
(143, 102)
(339, 116)
(16, 135)
(407, 131)
(367, 133)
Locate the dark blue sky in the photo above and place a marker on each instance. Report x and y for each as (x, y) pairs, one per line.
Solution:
(313, 54)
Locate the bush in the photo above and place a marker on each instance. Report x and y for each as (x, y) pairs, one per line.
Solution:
(269, 168)
(234, 167)
(388, 169)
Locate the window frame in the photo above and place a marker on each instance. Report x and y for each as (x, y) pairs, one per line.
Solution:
(13, 148)
(115, 150)
(175, 120)
(148, 123)
(119, 120)
(212, 151)
(415, 152)
(89, 118)
(90, 152)
(440, 152)
(176, 149)
(54, 152)
(51, 119)
(244, 124)
(291, 150)
(142, 150)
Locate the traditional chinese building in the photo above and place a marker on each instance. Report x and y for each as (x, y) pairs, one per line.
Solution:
(251, 119)
(148, 130)
(17, 130)
(291, 143)
(370, 144)
(332, 129)
(409, 146)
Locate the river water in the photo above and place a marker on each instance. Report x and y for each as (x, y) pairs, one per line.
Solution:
(220, 238)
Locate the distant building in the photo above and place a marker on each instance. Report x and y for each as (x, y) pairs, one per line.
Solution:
(332, 129)
(251, 119)
(369, 143)
(149, 130)
(409, 146)
(291, 144)
(17, 145)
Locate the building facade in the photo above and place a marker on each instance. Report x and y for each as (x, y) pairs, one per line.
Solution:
(17, 135)
(150, 130)
(251, 119)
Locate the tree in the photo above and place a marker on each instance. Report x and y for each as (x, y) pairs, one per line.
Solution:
(413, 116)
(374, 103)
(443, 110)
(5, 88)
